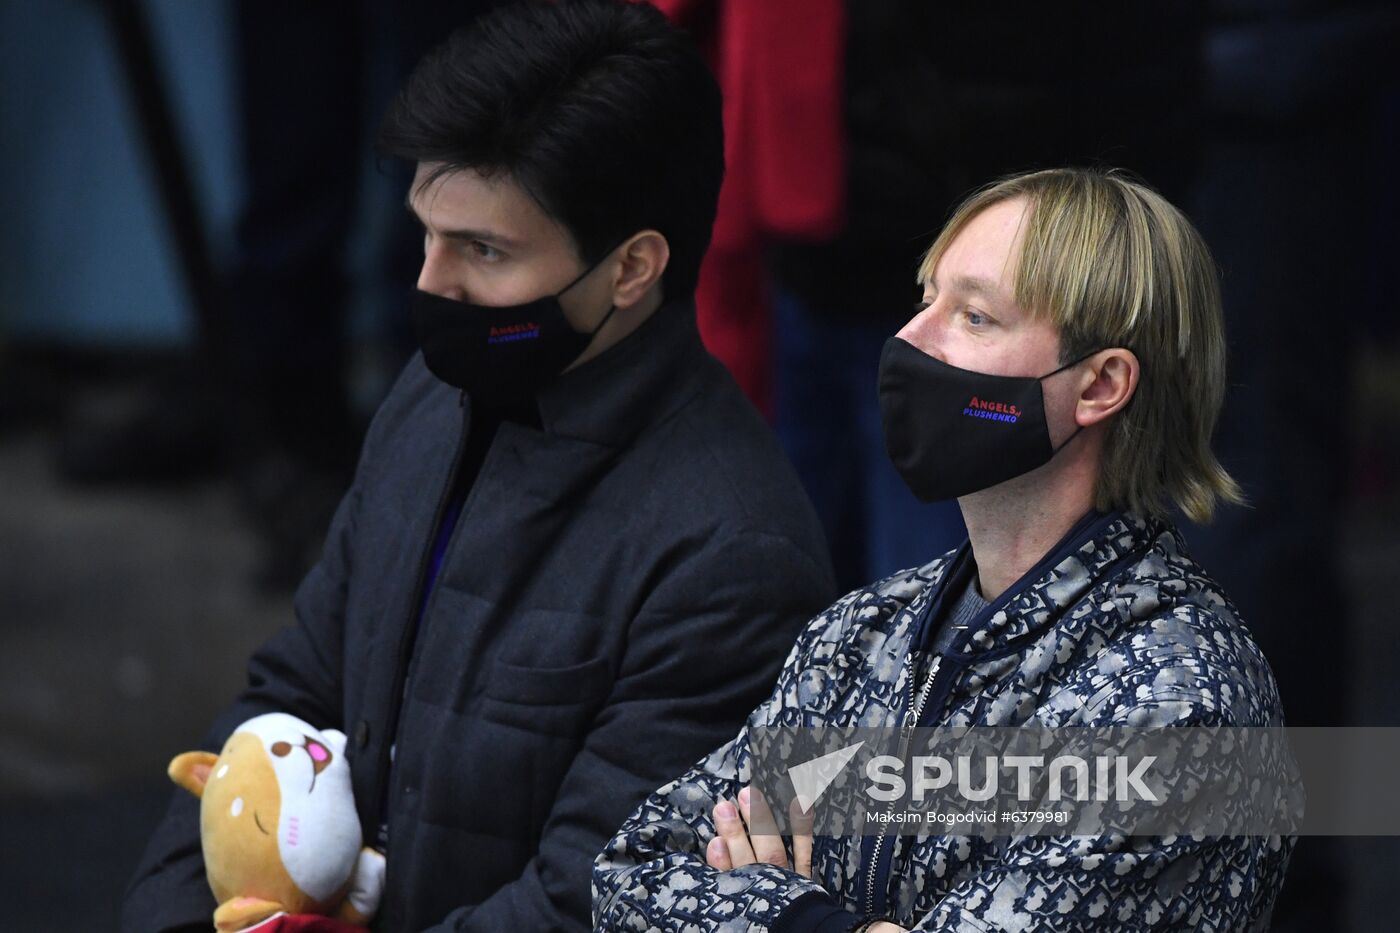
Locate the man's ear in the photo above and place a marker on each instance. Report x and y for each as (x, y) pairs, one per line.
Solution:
(191, 770)
(1111, 381)
(643, 260)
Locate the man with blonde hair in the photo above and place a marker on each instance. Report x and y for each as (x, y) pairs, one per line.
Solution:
(1061, 380)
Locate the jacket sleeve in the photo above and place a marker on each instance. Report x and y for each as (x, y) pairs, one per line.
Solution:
(701, 651)
(652, 873)
(1045, 883)
(296, 671)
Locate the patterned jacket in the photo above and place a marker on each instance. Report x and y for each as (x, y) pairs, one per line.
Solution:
(1116, 626)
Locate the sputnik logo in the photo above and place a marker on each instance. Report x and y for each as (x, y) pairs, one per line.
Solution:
(811, 778)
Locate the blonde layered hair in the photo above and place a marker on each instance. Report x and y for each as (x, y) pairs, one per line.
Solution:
(1111, 263)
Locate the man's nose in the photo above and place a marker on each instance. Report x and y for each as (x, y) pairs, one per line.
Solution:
(925, 330)
(436, 276)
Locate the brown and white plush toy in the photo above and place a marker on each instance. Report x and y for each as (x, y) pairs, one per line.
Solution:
(278, 825)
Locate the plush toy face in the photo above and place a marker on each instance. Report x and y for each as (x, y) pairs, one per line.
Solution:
(277, 817)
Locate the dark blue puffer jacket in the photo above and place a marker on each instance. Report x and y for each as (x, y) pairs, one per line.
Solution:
(564, 663)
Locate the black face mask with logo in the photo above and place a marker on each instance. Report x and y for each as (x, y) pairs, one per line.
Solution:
(500, 355)
(953, 431)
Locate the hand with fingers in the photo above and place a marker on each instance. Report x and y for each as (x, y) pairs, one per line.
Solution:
(736, 846)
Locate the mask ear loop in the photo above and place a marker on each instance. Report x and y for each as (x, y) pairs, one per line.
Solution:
(611, 309)
(1078, 427)
(586, 272)
(583, 275)
(1065, 443)
(1072, 363)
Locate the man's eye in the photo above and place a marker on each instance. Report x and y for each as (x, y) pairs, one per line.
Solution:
(484, 251)
(976, 318)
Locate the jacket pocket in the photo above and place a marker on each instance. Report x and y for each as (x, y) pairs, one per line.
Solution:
(546, 686)
(552, 700)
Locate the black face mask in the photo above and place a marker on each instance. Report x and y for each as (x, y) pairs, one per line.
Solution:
(953, 431)
(500, 355)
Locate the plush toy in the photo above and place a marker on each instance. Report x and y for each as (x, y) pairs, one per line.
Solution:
(278, 825)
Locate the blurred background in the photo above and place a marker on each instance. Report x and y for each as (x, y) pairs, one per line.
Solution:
(203, 274)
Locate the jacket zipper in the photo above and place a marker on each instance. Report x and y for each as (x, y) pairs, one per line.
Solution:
(905, 734)
(410, 631)
(1105, 574)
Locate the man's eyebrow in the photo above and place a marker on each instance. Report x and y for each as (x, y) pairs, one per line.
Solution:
(485, 236)
(969, 283)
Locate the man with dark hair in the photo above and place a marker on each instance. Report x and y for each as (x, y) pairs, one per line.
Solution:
(561, 508)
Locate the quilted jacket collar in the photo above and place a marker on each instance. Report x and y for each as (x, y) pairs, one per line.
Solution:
(630, 386)
(1087, 554)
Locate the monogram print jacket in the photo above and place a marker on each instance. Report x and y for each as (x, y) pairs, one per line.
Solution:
(1116, 626)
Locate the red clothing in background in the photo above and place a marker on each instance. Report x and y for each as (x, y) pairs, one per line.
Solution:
(780, 66)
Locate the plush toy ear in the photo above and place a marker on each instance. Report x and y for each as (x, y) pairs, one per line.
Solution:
(191, 770)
